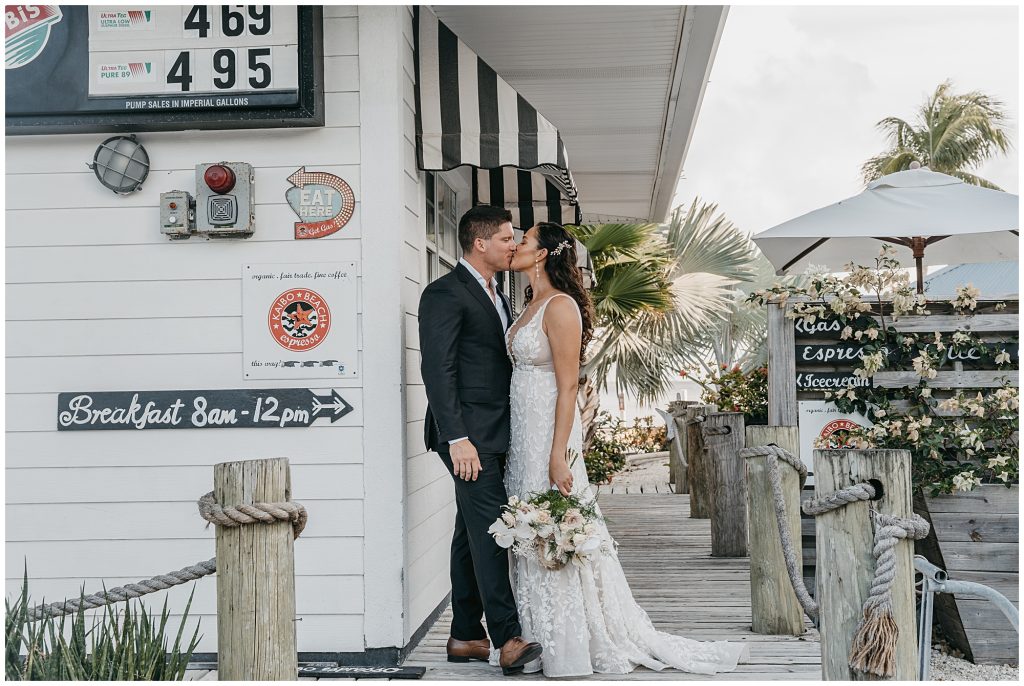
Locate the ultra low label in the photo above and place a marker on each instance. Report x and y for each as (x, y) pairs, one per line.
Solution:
(245, 408)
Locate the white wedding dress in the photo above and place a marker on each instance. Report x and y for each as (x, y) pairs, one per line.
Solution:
(585, 618)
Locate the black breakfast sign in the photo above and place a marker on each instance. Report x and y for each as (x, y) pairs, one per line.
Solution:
(245, 408)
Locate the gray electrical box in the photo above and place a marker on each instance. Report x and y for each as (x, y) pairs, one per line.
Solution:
(225, 200)
(177, 214)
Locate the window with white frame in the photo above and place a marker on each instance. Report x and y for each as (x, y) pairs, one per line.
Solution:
(442, 227)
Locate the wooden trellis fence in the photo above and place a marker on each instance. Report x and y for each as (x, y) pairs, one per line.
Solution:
(804, 361)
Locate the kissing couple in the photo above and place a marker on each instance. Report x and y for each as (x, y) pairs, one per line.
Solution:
(502, 415)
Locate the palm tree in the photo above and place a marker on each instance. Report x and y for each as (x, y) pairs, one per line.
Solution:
(657, 288)
(954, 133)
(740, 337)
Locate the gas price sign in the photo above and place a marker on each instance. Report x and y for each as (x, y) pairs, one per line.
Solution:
(163, 67)
(188, 50)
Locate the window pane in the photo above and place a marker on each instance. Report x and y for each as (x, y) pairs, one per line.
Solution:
(430, 220)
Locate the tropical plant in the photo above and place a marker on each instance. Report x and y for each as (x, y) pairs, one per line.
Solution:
(953, 133)
(955, 443)
(606, 453)
(740, 337)
(128, 646)
(657, 287)
(733, 390)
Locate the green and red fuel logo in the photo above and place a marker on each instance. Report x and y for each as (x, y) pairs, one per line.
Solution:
(299, 319)
(132, 72)
(27, 30)
(124, 20)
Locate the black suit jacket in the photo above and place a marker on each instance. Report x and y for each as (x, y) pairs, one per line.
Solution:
(464, 364)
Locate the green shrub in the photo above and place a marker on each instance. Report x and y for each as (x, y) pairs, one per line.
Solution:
(607, 452)
(645, 437)
(123, 646)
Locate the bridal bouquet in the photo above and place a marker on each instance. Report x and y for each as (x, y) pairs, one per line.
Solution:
(551, 528)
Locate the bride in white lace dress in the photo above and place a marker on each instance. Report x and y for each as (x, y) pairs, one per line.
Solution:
(584, 617)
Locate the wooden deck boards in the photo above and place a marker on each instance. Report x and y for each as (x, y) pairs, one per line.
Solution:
(667, 560)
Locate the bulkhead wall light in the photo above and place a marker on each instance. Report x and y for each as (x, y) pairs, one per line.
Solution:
(121, 164)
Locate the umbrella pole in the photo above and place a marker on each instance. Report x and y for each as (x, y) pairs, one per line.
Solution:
(917, 244)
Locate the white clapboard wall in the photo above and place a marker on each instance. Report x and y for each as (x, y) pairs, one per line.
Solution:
(430, 496)
(98, 300)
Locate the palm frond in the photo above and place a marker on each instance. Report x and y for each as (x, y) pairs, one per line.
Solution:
(703, 242)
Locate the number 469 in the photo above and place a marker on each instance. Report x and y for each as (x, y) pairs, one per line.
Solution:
(232, 20)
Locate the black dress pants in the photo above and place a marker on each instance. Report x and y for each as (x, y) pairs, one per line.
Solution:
(479, 566)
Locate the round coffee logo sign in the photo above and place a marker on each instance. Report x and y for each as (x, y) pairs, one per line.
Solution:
(836, 434)
(299, 319)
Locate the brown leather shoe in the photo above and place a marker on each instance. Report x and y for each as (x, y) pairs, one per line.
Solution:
(464, 651)
(516, 653)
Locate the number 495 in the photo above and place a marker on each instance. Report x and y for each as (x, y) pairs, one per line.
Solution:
(225, 69)
(233, 22)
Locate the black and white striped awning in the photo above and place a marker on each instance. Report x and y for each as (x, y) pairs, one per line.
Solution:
(468, 115)
(531, 197)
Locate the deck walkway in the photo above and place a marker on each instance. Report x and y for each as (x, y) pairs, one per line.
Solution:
(667, 560)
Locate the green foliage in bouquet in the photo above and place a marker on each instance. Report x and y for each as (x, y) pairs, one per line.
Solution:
(557, 504)
(122, 646)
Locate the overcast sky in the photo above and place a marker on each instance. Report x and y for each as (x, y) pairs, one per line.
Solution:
(795, 92)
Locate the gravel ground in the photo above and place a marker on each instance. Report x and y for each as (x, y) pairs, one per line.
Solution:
(948, 668)
(648, 468)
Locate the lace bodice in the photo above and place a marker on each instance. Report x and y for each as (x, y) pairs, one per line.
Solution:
(528, 345)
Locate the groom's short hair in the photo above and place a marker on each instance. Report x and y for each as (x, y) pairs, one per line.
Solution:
(482, 221)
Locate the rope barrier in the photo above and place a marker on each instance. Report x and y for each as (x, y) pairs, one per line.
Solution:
(213, 513)
(874, 643)
(774, 453)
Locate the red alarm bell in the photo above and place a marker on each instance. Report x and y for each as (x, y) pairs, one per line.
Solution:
(219, 178)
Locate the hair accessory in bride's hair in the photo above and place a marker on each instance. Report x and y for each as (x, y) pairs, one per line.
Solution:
(561, 246)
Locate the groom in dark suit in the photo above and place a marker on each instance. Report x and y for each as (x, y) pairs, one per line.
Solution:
(463, 317)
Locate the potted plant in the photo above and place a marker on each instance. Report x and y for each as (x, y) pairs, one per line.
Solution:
(733, 390)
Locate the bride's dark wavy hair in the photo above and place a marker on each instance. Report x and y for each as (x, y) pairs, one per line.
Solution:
(565, 276)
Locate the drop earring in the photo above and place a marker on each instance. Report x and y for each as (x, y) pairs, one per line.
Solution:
(536, 269)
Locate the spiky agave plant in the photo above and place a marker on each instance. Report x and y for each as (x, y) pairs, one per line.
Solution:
(120, 646)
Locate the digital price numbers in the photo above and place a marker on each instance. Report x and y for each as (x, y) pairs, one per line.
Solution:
(192, 50)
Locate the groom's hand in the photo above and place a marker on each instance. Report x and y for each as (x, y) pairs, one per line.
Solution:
(465, 460)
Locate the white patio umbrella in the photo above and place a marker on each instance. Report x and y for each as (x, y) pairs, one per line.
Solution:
(925, 211)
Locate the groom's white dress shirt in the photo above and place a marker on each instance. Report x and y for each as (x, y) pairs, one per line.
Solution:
(498, 305)
(496, 300)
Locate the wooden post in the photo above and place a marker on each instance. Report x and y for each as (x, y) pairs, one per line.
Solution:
(696, 461)
(255, 578)
(782, 407)
(846, 565)
(677, 473)
(773, 602)
(728, 484)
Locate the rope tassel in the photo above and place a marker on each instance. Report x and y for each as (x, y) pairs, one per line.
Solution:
(874, 644)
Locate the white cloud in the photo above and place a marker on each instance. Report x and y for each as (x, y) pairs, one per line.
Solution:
(790, 111)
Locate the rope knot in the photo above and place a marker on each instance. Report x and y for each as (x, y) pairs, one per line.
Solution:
(253, 513)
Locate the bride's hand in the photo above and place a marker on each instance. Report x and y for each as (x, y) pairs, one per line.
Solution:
(560, 474)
